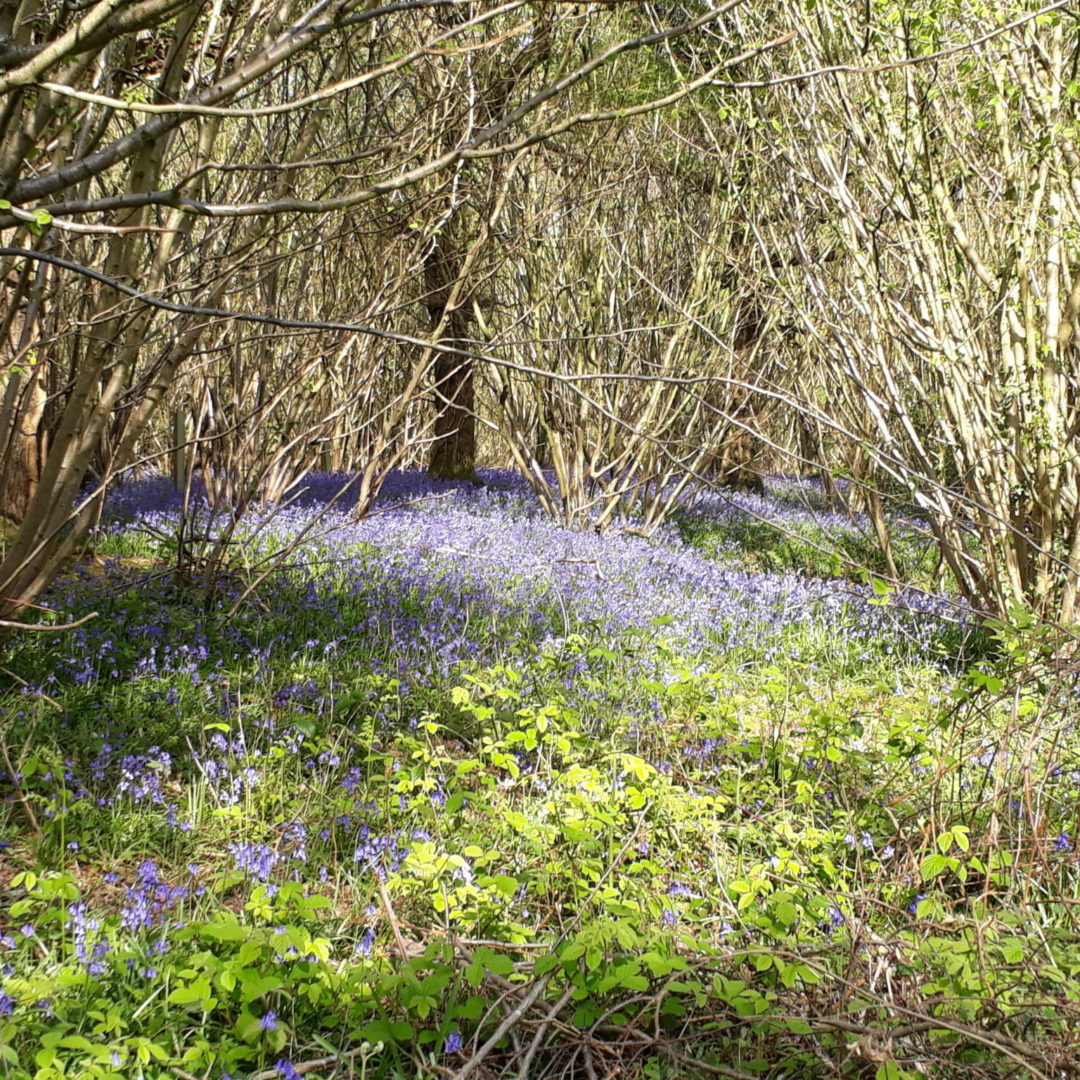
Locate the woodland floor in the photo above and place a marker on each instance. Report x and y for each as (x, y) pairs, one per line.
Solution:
(457, 791)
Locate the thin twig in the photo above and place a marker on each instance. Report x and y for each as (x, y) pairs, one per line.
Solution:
(511, 1018)
(19, 793)
(36, 690)
(384, 896)
(7, 623)
(541, 1031)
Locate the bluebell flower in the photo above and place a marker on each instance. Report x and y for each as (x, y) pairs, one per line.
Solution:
(453, 1043)
(268, 1021)
(834, 921)
(363, 946)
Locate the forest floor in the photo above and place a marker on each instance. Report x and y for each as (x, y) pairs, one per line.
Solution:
(457, 791)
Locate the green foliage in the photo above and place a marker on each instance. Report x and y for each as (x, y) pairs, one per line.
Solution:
(741, 851)
(823, 549)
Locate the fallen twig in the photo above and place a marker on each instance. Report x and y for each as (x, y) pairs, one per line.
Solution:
(40, 628)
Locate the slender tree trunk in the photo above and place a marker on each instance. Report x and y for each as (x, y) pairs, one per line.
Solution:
(453, 455)
(24, 393)
(25, 442)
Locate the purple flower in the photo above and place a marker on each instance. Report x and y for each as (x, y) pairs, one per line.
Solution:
(286, 1070)
(453, 1043)
(669, 918)
(268, 1021)
(363, 946)
(257, 860)
(1062, 843)
(7, 1004)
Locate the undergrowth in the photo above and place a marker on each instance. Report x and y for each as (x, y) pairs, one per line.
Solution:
(392, 819)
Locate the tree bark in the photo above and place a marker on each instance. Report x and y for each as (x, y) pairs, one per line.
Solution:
(453, 455)
(24, 443)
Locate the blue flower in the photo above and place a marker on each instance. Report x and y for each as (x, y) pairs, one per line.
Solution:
(453, 1043)
(286, 1070)
(363, 946)
(7, 1004)
(268, 1021)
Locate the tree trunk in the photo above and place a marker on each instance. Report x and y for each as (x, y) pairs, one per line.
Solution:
(453, 454)
(24, 443)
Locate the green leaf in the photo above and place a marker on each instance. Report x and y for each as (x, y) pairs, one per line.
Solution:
(544, 964)
(932, 865)
(786, 913)
(880, 587)
(386, 1031)
(889, 1070)
(225, 931)
(507, 885)
(188, 995)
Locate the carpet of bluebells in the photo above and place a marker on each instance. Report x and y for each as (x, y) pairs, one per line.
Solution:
(455, 790)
